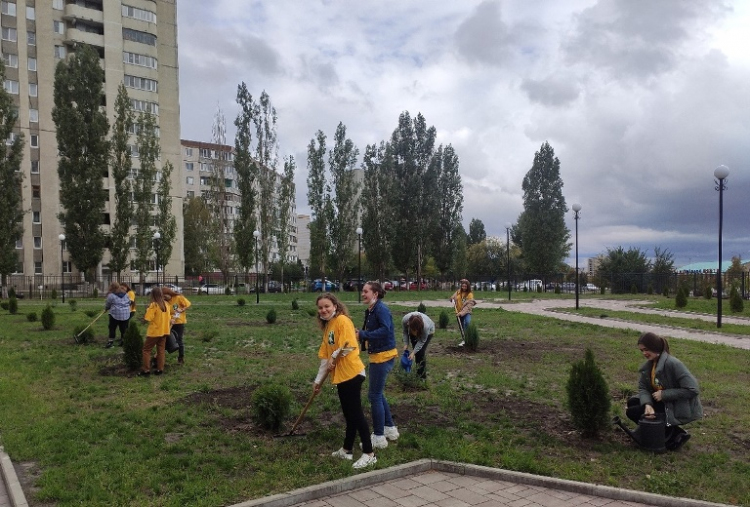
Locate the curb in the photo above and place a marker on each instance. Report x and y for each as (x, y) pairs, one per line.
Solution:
(378, 476)
(12, 484)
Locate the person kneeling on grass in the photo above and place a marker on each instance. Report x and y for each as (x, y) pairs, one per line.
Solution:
(665, 386)
(418, 330)
(158, 315)
(339, 357)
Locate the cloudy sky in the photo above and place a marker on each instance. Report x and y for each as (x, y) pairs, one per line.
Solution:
(640, 99)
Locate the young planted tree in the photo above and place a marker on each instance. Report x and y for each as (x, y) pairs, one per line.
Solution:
(247, 175)
(588, 396)
(541, 231)
(81, 128)
(121, 164)
(143, 194)
(11, 178)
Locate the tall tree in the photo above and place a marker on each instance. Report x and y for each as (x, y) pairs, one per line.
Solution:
(377, 218)
(344, 199)
(266, 154)
(543, 235)
(165, 220)
(121, 166)
(286, 208)
(459, 261)
(81, 128)
(317, 191)
(449, 207)
(476, 232)
(197, 220)
(221, 228)
(11, 178)
(247, 175)
(143, 194)
(663, 263)
(623, 269)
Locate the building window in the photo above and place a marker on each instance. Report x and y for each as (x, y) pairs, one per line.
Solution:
(188, 152)
(138, 36)
(37, 242)
(9, 8)
(34, 141)
(38, 268)
(190, 194)
(11, 61)
(67, 267)
(36, 217)
(141, 60)
(144, 106)
(36, 192)
(189, 180)
(19, 245)
(136, 13)
(133, 150)
(33, 90)
(140, 83)
(32, 64)
(205, 180)
(34, 115)
(58, 27)
(10, 34)
(11, 86)
(34, 167)
(57, 4)
(205, 153)
(60, 52)
(31, 38)
(189, 166)
(30, 13)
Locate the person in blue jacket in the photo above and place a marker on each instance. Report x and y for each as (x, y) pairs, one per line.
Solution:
(378, 337)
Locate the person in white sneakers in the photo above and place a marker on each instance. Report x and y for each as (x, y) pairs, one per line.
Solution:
(339, 357)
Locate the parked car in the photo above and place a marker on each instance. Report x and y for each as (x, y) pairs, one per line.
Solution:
(591, 287)
(175, 288)
(210, 289)
(354, 285)
(413, 285)
(317, 286)
(391, 284)
(274, 286)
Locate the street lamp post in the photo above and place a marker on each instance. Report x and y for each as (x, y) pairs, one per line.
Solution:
(256, 235)
(576, 216)
(720, 174)
(62, 266)
(157, 248)
(359, 276)
(507, 243)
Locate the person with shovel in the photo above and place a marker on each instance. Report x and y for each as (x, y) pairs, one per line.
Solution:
(665, 386)
(339, 359)
(463, 301)
(418, 330)
(118, 306)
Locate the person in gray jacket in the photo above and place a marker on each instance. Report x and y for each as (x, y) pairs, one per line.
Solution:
(418, 330)
(665, 386)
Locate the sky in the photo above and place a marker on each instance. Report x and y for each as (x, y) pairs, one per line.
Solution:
(640, 99)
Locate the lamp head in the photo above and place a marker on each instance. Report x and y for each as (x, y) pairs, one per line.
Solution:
(157, 235)
(721, 172)
(576, 207)
(359, 231)
(256, 234)
(508, 225)
(62, 237)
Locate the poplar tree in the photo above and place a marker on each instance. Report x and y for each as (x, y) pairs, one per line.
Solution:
(286, 208)
(377, 219)
(266, 155)
(222, 252)
(11, 179)
(477, 233)
(143, 194)
(449, 207)
(165, 220)
(317, 191)
(83, 150)
(121, 164)
(247, 175)
(197, 220)
(541, 230)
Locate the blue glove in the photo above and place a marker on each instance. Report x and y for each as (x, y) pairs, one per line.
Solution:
(406, 362)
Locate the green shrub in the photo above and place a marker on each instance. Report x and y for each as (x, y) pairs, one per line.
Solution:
(53, 294)
(4, 305)
(539, 288)
(207, 336)
(48, 318)
(91, 313)
(83, 337)
(241, 301)
(295, 304)
(13, 305)
(665, 292)
(680, 299)
(11, 292)
(409, 381)
(557, 289)
(73, 305)
(444, 319)
(132, 346)
(271, 405)
(707, 290)
(735, 300)
(31, 317)
(422, 308)
(227, 291)
(96, 292)
(602, 289)
(271, 316)
(634, 289)
(472, 337)
(588, 396)
(650, 289)
(312, 312)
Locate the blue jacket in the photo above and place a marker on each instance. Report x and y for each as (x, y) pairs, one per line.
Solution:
(378, 331)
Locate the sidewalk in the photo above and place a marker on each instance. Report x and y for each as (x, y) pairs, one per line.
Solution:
(11, 494)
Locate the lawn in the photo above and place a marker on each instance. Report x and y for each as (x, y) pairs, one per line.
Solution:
(82, 430)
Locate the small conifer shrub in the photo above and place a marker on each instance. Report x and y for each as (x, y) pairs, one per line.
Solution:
(12, 292)
(472, 337)
(539, 288)
(83, 337)
(312, 312)
(650, 289)
(665, 292)
(707, 290)
(13, 305)
(680, 299)
(91, 313)
(557, 288)
(271, 405)
(271, 316)
(53, 294)
(227, 291)
(48, 318)
(444, 319)
(4, 305)
(633, 289)
(735, 300)
(73, 305)
(588, 396)
(96, 292)
(31, 317)
(241, 301)
(422, 308)
(132, 346)
(295, 304)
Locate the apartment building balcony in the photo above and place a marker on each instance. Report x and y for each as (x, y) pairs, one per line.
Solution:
(73, 36)
(77, 12)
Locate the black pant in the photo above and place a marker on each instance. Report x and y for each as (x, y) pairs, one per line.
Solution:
(114, 324)
(635, 411)
(419, 357)
(350, 396)
(179, 333)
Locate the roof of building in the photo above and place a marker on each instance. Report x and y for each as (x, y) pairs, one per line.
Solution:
(702, 267)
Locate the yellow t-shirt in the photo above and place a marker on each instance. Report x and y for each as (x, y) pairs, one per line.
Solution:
(339, 331)
(131, 297)
(464, 299)
(381, 357)
(181, 302)
(158, 320)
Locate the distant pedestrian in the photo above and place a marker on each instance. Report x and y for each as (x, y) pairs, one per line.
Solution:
(118, 306)
(463, 301)
(418, 331)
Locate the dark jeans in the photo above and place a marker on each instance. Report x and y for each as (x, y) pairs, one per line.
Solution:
(179, 333)
(419, 357)
(350, 396)
(114, 324)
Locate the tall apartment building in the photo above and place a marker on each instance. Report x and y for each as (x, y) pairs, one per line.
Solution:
(137, 43)
(198, 162)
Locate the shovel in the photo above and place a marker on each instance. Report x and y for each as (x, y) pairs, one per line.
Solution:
(460, 325)
(78, 335)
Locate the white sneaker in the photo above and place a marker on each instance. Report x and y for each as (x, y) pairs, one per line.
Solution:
(462, 344)
(341, 453)
(365, 461)
(378, 442)
(391, 432)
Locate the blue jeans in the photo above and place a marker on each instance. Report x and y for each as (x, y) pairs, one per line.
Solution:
(465, 321)
(381, 412)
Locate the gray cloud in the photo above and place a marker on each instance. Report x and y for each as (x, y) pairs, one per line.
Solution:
(551, 91)
(483, 37)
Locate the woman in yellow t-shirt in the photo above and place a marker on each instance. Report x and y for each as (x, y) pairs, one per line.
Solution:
(339, 357)
(158, 316)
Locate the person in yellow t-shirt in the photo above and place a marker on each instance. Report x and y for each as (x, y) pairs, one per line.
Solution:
(158, 315)
(463, 300)
(339, 359)
(131, 297)
(179, 304)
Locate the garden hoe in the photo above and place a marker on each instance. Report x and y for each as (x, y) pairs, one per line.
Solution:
(460, 326)
(78, 335)
(345, 350)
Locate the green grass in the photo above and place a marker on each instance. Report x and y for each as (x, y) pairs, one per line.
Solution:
(92, 434)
